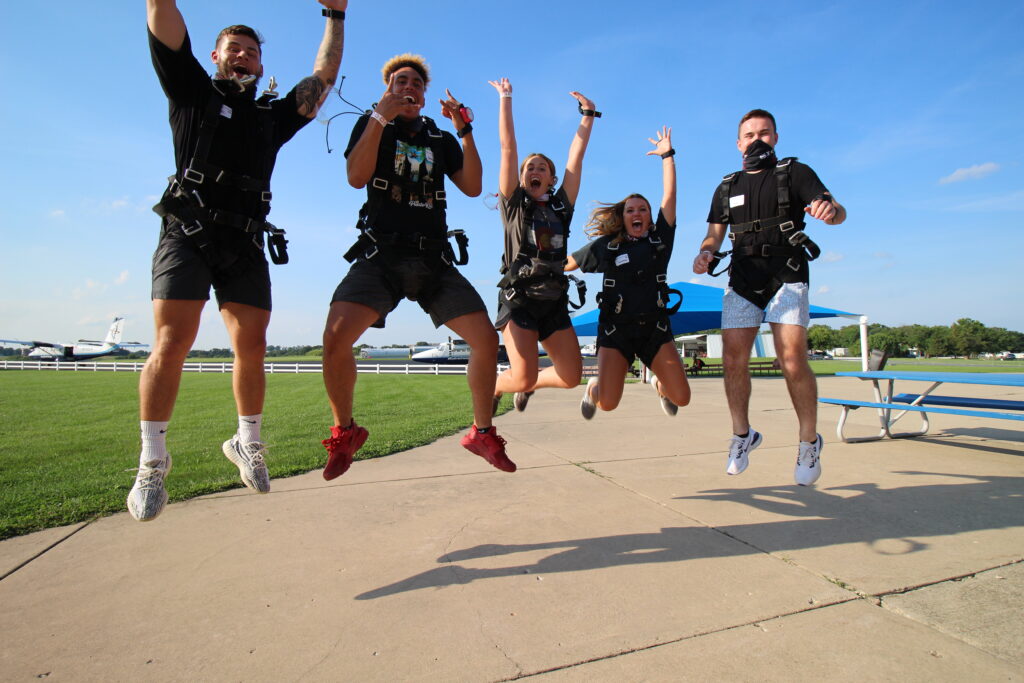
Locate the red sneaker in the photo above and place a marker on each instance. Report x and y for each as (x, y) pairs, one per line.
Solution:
(341, 448)
(489, 446)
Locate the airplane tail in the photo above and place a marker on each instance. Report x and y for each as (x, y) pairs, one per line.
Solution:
(114, 335)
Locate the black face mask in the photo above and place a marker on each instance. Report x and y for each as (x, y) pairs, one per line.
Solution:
(759, 155)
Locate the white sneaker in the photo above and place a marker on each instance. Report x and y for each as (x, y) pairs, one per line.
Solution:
(667, 406)
(249, 461)
(808, 462)
(521, 399)
(587, 405)
(147, 498)
(739, 451)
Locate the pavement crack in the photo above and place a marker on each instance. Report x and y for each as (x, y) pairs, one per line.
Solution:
(47, 549)
(960, 577)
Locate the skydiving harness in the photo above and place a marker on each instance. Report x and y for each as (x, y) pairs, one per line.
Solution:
(799, 247)
(526, 269)
(183, 205)
(437, 252)
(610, 300)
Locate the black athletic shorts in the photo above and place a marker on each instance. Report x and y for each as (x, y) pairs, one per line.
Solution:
(180, 271)
(635, 340)
(543, 317)
(444, 294)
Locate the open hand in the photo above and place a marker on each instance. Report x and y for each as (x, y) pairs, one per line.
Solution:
(664, 142)
(503, 87)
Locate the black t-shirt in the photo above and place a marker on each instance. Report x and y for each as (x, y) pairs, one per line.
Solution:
(638, 297)
(412, 158)
(238, 145)
(754, 196)
(545, 232)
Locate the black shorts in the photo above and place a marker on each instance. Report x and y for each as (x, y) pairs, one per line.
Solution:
(634, 339)
(445, 294)
(543, 317)
(180, 271)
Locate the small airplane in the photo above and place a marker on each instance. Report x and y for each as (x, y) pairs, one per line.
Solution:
(456, 352)
(83, 349)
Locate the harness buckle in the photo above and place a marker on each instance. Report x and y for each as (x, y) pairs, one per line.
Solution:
(766, 250)
(661, 277)
(756, 226)
(266, 196)
(370, 254)
(732, 236)
(441, 195)
(798, 238)
(609, 282)
(510, 293)
(793, 264)
(379, 184)
(191, 229)
(194, 176)
(787, 226)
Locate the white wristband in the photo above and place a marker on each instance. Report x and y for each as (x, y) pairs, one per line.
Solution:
(379, 119)
(505, 94)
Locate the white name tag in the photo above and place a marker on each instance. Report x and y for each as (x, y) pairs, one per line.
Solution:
(622, 259)
(225, 111)
(736, 201)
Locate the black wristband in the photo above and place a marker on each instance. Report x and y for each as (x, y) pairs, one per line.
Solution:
(333, 13)
(465, 130)
(669, 153)
(588, 112)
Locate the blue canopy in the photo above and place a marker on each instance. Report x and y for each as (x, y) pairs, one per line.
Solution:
(701, 310)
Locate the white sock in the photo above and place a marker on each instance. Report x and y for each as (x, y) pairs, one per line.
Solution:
(154, 442)
(249, 428)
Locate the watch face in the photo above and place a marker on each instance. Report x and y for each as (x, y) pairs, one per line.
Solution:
(467, 114)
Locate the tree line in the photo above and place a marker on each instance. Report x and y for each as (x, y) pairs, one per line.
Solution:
(965, 337)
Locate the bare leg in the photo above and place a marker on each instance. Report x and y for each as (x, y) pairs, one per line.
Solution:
(346, 323)
(791, 348)
(566, 369)
(247, 327)
(477, 330)
(671, 375)
(177, 323)
(611, 377)
(738, 342)
(521, 346)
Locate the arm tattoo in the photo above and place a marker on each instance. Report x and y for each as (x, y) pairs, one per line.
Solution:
(308, 95)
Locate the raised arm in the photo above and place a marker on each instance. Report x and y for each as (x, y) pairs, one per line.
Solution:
(574, 166)
(663, 148)
(362, 160)
(508, 171)
(166, 23)
(469, 178)
(313, 90)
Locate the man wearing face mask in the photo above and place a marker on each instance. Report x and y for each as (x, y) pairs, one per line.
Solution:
(401, 157)
(763, 209)
(214, 211)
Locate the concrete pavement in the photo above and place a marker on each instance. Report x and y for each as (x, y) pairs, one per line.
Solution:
(619, 551)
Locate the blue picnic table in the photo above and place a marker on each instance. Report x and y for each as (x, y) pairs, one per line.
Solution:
(892, 406)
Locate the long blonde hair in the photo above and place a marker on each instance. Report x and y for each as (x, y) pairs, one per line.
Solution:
(607, 219)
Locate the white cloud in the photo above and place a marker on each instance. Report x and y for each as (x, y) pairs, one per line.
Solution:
(823, 290)
(694, 280)
(57, 213)
(832, 257)
(970, 173)
(1011, 201)
(122, 278)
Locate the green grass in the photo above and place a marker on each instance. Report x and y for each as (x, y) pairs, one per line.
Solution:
(67, 439)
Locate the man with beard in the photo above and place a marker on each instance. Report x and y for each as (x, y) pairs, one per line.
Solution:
(214, 225)
(763, 209)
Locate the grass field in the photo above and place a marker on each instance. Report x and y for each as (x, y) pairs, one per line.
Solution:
(67, 439)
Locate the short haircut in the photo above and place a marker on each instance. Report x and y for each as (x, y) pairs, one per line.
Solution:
(240, 30)
(756, 114)
(401, 61)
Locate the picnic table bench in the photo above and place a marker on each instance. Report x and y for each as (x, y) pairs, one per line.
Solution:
(891, 406)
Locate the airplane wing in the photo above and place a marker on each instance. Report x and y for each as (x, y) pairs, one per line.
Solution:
(48, 345)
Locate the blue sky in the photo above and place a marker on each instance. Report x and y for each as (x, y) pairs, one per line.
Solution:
(907, 112)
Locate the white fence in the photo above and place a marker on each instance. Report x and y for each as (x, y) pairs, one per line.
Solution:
(270, 368)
